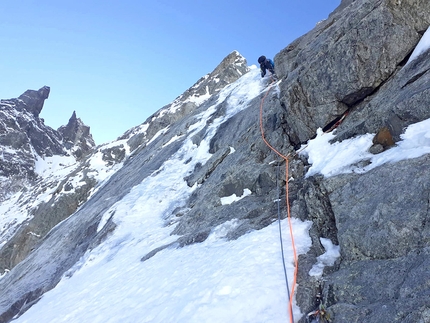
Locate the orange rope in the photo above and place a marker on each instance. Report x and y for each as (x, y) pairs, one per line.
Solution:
(286, 188)
(287, 201)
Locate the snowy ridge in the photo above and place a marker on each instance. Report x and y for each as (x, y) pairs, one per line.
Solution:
(229, 70)
(63, 174)
(210, 281)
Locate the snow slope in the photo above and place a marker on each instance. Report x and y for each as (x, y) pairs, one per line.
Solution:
(213, 281)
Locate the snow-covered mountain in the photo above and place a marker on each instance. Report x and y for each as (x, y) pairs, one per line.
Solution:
(37, 163)
(48, 174)
(178, 219)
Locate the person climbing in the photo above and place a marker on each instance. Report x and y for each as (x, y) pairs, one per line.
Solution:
(266, 64)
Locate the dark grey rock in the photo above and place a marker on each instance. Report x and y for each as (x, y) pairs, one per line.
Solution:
(345, 59)
(114, 155)
(77, 137)
(386, 206)
(392, 290)
(33, 100)
(384, 235)
(399, 103)
(157, 250)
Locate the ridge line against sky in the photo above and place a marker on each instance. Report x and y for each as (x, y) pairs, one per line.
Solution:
(117, 63)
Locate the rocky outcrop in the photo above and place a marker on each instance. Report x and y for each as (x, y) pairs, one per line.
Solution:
(33, 101)
(345, 59)
(24, 137)
(401, 101)
(355, 62)
(20, 126)
(26, 141)
(22, 134)
(384, 234)
(77, 137)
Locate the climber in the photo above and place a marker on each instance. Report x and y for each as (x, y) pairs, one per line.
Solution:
(266, 63)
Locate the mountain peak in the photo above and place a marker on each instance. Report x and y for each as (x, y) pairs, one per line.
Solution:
(232, 62)
(77, 134)
(34, 100)
(231, 68)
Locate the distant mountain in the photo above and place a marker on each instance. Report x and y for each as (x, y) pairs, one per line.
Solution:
(31, 152)
(174, 220)
(47, 174)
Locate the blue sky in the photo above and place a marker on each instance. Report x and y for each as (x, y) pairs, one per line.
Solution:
(117, 62)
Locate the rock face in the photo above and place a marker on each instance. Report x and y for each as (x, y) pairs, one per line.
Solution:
(354, 62)
(25, 142)
(77, 135)
(33, 100)
(400, 102)
(22, 136)
(384, 236)
(345, 59)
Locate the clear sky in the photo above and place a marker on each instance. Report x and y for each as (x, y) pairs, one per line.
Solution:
(117, 62)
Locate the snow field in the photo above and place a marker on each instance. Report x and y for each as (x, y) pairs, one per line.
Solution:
(214, 281)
